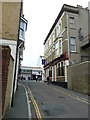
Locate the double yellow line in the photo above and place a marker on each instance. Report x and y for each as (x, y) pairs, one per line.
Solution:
(77, 98)
(34, 104)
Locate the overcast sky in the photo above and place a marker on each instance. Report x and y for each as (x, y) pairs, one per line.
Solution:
(41, 15)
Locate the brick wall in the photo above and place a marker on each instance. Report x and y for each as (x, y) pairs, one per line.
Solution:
(5, 63)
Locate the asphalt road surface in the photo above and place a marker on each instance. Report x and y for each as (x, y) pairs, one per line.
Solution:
(53, 103)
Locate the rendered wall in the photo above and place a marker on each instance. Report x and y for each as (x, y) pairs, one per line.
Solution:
(79, 77)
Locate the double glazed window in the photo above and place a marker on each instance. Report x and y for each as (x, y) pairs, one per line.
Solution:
(73, 44)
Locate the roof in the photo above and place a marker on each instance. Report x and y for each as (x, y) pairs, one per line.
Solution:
(67, 8)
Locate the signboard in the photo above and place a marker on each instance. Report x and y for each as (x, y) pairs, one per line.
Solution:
(36, 72)
(43, 62)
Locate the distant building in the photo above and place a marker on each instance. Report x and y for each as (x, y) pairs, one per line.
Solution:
(30, 73)
(41, 63)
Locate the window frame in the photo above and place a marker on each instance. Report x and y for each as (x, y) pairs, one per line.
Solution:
(60, 41)
(56, 48)
(72, 44)
(72, 22)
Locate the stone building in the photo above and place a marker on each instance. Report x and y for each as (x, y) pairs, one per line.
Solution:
(12, 36)
(64, 44)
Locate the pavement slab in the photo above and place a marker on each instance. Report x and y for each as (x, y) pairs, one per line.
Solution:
(20, 108)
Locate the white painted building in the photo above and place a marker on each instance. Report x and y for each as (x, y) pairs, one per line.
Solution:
(30, 73)
(40, 63)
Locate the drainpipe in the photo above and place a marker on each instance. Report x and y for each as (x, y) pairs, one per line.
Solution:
(16, 56)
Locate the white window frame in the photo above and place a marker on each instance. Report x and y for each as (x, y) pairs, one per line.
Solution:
(59, 47)
(53, 36)
(72, 22)
(56, 48)
(49, 41)
(73, 44)
(60, 26)
(57, 30)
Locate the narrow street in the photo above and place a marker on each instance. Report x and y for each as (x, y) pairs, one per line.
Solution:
(56, 102)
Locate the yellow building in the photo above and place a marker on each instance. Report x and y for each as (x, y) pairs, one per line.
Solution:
(62, 44)
(12, 36)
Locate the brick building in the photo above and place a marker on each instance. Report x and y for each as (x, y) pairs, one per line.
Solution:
(12, 37)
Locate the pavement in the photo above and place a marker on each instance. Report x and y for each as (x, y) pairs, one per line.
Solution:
(20, 106)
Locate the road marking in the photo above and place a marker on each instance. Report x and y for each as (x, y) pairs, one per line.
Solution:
(70, 95)
(29, 108)
(34, 104)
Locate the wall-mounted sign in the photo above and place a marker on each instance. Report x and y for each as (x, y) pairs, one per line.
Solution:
(36, 72)
(43, 61)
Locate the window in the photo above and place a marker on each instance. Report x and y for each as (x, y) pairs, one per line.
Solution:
(22, 24)
(50, 72)
(49, 41)
(53, 36)
(72, 41)
(22, 70)
(22, 33)
(57, 31)
(72, 22)
(57, 48)
(60, 47)
(62, 69)
(59, 69)
(60, 27)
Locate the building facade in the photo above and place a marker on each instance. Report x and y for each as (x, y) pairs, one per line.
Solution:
(79, 74)
(30, 73)
(41, 63)
(12, 30)
(62, 44)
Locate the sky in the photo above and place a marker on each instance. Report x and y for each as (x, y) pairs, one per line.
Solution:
(41, 15)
